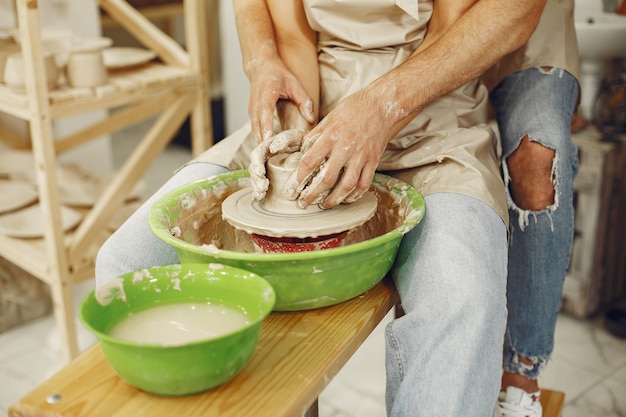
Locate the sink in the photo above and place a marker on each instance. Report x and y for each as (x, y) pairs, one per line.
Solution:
(600, 35)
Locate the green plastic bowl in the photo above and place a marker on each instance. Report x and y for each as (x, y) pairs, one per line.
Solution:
(189, 218)
(181, 369)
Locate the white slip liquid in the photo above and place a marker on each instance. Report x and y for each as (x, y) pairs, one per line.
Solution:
(180, 323)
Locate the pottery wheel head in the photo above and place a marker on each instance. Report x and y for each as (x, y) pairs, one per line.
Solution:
(253, 217)
(278, 216)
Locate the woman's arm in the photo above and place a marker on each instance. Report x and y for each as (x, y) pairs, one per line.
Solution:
(270, 79)
(297, 47)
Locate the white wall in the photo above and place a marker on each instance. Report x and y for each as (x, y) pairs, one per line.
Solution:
(606, 5)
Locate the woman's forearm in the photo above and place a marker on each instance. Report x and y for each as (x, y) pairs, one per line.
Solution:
(296, 42)
(297, 47)
(256, 33)
(271, 80)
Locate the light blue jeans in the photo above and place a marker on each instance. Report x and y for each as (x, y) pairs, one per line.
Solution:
(133, 246)
(538, 103)
(443, 356)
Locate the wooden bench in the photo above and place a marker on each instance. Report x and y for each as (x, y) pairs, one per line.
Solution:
(297, 356)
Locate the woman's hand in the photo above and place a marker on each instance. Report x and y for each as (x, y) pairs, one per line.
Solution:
(271, 81)
(287, 141)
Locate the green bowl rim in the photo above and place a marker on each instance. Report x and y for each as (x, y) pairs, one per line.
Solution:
(416, 199)
(248, 274)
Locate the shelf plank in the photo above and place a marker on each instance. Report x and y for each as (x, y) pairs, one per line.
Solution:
(147, 82)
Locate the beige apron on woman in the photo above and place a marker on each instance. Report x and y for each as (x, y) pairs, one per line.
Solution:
(448, 147)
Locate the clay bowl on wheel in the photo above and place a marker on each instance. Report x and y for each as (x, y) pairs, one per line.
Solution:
(209, 326)
(190, 220)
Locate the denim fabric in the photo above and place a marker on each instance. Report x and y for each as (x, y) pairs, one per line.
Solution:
(444, 356)
(133, 246)
(538, 103)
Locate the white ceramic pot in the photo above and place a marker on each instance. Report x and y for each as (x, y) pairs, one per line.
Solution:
(14, 74)
(86, 69)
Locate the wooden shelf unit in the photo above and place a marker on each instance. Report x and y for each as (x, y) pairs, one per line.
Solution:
(163, 13)
(596, 277)
(171, 90)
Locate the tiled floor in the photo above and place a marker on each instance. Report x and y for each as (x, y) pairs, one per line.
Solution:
(588, 364)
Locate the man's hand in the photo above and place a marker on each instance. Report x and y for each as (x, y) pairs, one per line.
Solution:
(341, 153)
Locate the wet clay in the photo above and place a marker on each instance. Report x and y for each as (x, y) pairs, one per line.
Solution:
(278, 216)
(200, 221)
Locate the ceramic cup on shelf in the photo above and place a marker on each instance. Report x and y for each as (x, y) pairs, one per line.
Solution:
(85, 64)
(14, 73)
(86, 69)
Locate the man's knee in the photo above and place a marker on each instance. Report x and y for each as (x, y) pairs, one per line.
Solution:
(531, 171)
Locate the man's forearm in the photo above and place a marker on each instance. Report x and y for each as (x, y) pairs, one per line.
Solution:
(486, 33)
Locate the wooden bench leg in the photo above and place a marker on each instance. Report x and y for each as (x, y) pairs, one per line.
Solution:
(313, 410)
(552, 402)
(399, 311)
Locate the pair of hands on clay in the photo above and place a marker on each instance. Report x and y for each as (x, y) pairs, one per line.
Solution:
(340, 154)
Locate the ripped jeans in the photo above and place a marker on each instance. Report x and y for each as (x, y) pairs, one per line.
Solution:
(539, 104)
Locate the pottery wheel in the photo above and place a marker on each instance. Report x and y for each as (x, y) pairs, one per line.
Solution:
(241, 211)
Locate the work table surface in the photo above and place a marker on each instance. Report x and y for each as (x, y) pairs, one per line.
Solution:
(297, 356)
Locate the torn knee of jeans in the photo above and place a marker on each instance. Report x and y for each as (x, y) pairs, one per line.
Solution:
(551, 71)
(526, 215)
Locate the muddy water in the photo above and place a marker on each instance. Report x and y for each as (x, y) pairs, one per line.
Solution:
(180, 323)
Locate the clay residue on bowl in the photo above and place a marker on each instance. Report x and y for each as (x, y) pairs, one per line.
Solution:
(200, 221)
(390, 214)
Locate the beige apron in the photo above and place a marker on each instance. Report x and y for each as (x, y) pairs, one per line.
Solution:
(448, 147)
(553, 44)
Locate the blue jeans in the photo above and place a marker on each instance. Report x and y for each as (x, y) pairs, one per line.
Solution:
(444, 356)
(133, 246)
(538, 103)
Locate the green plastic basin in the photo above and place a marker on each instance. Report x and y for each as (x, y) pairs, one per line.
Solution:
(190, 220)
(180, 369)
